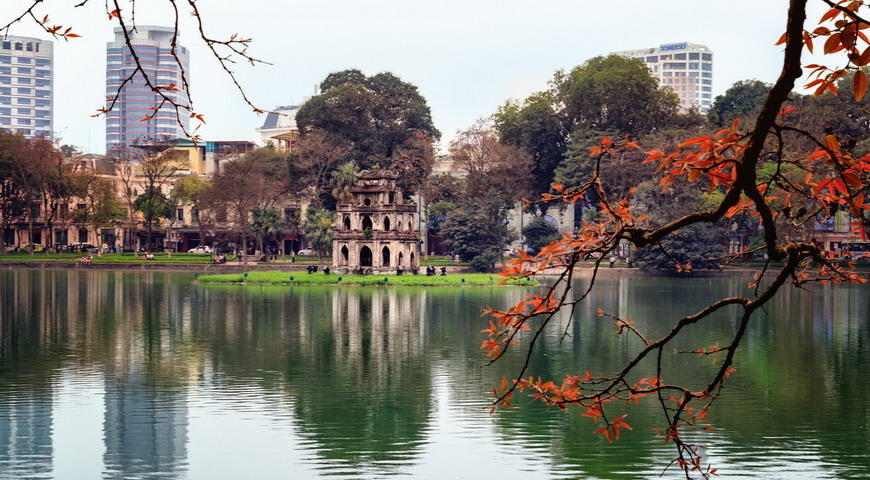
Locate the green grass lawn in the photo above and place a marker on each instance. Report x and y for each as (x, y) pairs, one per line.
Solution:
(304, 260)
(300, 278)
(185, 258)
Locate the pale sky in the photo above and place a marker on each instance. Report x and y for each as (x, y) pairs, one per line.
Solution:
(466, 56)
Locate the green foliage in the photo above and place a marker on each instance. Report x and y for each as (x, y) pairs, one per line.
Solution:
(739, 101)
(605, 94)
(317, 226)
(696, 245)
(536, 126)
(343, 179)
(266, 223)
(615, 93)
(153, 205)
(539, 233)
(299, 278)
(472, 234)
(486, 260)
(376, 114)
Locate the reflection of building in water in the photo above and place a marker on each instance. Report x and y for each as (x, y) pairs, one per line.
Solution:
(25, 434)
(145, 427)
(146, 413)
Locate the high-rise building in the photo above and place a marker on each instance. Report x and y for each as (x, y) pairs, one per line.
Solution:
(127, 124)
(26, 85)
(687, 68)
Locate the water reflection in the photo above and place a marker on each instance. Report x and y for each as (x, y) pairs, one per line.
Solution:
(270, 382)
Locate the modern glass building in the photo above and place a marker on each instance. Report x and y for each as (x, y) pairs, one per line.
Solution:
(26, 85)
(126, 123)
(687, 68)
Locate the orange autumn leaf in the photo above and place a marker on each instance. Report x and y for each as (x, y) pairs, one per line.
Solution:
(859, 85)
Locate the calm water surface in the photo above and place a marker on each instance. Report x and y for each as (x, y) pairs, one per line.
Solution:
(143, 375)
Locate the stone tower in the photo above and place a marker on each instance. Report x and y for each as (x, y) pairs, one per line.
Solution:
(376, 228)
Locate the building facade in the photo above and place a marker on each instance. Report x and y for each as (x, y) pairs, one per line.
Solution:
(127, 124)
(27, 86)
(376, 227)
(686, 68)
(279, 128)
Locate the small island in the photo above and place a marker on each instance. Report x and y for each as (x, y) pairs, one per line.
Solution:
(302, 278)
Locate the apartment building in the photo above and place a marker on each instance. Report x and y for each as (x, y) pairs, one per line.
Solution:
(686, 68)
(26, 86)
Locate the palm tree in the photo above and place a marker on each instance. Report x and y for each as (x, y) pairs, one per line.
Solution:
(343, 179)
(266, 223)
(318, 229)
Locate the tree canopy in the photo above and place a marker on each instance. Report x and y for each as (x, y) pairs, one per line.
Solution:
(376, 115)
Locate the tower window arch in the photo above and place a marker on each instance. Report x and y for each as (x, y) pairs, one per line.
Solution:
(367, 223)
(385, 257)
(386, 224)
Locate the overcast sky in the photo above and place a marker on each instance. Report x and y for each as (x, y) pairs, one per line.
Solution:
(466, 56)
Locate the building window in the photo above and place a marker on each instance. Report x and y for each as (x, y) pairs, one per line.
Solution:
(179, 214)
(707, 66)
(26, 60)
(694, 56)
(707, 56)
(679, 56)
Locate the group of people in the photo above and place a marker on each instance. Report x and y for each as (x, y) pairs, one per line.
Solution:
(430, 270)
(219, 258)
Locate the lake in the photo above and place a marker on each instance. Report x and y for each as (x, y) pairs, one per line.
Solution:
(132, 375)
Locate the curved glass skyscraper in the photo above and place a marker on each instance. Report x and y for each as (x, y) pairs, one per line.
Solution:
(126, 123)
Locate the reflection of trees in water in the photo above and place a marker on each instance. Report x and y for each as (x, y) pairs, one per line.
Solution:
(359, 365)
(352, 360)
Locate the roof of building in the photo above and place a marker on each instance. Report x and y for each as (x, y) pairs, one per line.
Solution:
(281, 117)
(378, 173)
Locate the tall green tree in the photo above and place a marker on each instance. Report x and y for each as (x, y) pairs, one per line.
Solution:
(376, 115)
(739, 101)
(605, 94)
(153, 205)
(266, 223)
(317, 226)
(539, 233)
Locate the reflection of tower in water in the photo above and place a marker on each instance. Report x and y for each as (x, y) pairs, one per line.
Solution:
(25, 434)
(145, 427)
(378, 327)
(146, 413)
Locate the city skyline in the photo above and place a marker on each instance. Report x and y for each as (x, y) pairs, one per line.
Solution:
(465, 68)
